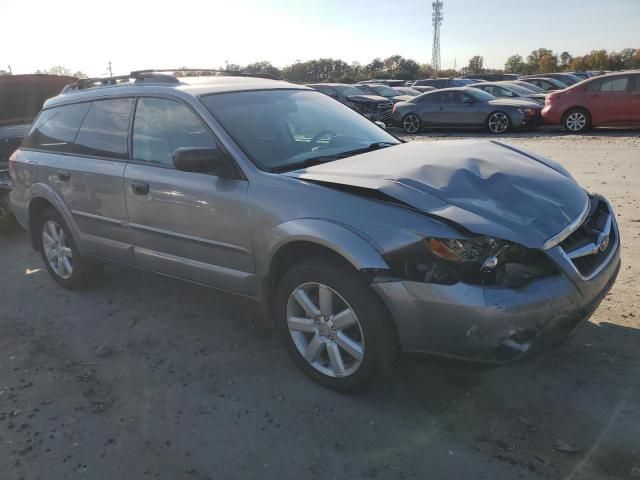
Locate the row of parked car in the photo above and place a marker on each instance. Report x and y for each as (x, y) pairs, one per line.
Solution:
(499, 103)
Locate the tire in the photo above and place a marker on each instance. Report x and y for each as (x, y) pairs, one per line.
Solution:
(411, 123)
(348, 355)
(498, 122)
(60, 254)
(577, 120)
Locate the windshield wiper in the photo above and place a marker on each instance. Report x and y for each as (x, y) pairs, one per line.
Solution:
(309, 162)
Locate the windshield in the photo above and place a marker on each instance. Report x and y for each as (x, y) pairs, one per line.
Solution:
(479, 95)
(529, 86)
(409, 91)
(515, 88)
(386, 91)
(463, 81)
(348, 90)
(278, 128)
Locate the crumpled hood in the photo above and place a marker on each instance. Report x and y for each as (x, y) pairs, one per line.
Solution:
(487, 187)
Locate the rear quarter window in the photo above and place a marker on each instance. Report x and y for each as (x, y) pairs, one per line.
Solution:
(55, 129)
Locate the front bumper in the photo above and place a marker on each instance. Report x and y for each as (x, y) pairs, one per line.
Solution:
(493, 324)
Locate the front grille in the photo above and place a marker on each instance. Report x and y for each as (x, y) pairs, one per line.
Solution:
(590, 245)
(385, 106)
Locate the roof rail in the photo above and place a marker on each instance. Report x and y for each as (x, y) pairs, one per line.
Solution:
(209, 72)
(158, 75)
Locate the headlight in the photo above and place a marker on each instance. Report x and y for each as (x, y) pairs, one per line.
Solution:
(454, 250)
(478, 260)
(527, 111)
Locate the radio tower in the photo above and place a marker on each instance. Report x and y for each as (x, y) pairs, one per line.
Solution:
(437, 21)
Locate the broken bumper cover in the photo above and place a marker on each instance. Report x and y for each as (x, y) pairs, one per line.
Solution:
(493, 324)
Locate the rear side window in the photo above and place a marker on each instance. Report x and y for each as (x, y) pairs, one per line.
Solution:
(105, 129)
(614, 84)
(162, 126)
(56, 128)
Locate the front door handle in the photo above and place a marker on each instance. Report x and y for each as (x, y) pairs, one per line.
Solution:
(63, 175)
(139, 188)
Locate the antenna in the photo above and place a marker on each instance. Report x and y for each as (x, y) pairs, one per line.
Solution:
(437, 21)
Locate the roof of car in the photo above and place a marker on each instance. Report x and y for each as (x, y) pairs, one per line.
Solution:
(326, 84)
(193, 86)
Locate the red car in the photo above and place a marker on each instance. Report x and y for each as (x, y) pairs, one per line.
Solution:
(606, 100)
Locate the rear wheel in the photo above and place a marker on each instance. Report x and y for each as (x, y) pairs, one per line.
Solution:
(411, 123)
(60, 254)
(335, 327)
(577, 120)
(498, 122)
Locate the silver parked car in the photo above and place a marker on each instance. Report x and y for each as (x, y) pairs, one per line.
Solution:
(356, 244)
(466, 108)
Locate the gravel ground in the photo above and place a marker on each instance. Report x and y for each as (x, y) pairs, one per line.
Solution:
(147, 377)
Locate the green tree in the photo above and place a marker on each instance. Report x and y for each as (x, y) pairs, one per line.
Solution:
(476, 64)
(515, 64)
(548, 64)
(597, 59)
(565, 60)
(533, 59)
(375, 69)
(578, 64)
(3, 73)
(263, 67)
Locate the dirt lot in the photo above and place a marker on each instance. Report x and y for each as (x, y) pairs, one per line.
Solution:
(193, 388)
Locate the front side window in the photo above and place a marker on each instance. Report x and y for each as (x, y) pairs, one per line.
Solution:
(161, 126)
(56, 128)
(282, 128)
(105, 129)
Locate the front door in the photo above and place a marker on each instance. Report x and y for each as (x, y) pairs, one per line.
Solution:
(189, 225)
(454, 111)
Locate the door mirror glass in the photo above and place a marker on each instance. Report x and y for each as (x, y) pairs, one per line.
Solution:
(467, 100)
(203, 160)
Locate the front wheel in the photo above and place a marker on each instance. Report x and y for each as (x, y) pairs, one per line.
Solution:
(498, 122)
(335, 327)
(60, 255)
(577, 120)
(411, 123)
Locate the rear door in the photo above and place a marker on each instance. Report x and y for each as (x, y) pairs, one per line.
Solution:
(92, 139)
(428, 109)
(609, 100)
(189, 225)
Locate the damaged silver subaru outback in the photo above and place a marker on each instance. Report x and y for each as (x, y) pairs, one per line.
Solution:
(357, 245)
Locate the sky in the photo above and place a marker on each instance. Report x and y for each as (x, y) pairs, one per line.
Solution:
(135, 34)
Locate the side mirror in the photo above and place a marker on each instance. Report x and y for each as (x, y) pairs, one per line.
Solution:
(381, 125)
(203, 160)
(467, 100)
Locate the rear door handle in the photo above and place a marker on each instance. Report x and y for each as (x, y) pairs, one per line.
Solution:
(139, 188)
(63, 175)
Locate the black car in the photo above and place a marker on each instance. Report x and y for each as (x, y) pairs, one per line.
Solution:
(443, 82)
(566, 78)
(493, 77)
(384, 91)
(375, 107)
(547, 84)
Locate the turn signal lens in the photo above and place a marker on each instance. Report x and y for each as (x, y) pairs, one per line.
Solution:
(446, 249)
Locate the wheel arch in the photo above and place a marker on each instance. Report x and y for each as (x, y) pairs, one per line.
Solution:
(296, 240)
(575, 107)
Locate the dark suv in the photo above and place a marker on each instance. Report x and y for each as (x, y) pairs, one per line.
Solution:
(375, 107)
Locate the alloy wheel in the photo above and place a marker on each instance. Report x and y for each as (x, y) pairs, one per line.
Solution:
(498, 122)
(576, 121)
(325, 329)
(57, 249)
(411, 123)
